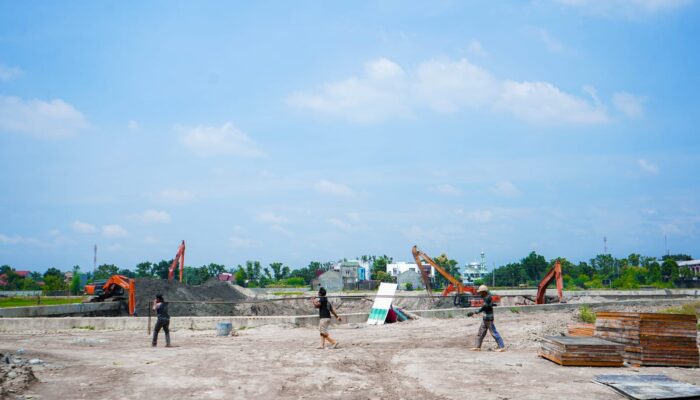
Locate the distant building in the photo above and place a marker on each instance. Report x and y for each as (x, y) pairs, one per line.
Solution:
(412, 277)
(23, 274)
(394, 269)
(225, 277)
(474, 270)
(693, 266)
(331, 281)
(353, 271)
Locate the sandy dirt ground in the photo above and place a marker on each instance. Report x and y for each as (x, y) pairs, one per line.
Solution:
(425, 359)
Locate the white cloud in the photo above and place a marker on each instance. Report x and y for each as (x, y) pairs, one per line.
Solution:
(630, 105)
(625, 8)
(354, 216)
(4, 239)
(271, 218)
(224, 140)
(368, 99)
(244, 242)
(9, 73)
(114, 231)
(386, 91)
(55, 232)
(47, 119)
(480, 215)
(552, 44)
(340, 224)
(83, 227)
(542, 102)
(151, 217)
(670, 229)
(648, 167)
(114, 247)
(151, 240)
(332, 188)
(448, 87)
(175, 196)
(505, 188)
(133, 125)
(447, 190)
(475, 47)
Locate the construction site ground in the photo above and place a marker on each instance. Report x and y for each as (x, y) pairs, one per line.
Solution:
(426, 359)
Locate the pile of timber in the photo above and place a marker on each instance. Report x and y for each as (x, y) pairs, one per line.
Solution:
(582, 351)
(652, 339)
(581, 329)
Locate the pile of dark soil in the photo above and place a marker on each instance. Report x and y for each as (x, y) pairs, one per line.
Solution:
(174, 291)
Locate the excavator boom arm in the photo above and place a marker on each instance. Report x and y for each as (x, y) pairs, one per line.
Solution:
(417, 255)
(179, 260)
(554, 274)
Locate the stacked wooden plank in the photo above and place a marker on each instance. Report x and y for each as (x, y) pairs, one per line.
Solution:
(652, 339)
(582, 351)
(581, 329)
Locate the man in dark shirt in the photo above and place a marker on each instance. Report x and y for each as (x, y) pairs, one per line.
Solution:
(162, 321)
(325, 309)
(487, 323)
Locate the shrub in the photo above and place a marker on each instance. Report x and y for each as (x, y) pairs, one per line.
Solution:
(586, 314)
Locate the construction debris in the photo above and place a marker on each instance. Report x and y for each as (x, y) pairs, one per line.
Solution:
(581, 329)
(652, 339)
(16, 374)
(648, 387)
(581, 351)
(382, 304)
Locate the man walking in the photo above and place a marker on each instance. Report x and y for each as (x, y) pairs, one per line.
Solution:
(487, 324)
(325, 309)
(162, 321)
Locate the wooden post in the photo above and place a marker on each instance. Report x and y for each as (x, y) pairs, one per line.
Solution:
(149, 317)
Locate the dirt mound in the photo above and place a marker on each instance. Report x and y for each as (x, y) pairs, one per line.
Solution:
(212, 291)
(174, 291)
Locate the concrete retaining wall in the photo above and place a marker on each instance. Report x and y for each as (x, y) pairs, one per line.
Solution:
(462, 312)
(58, 310)
(29, 325)
(18, 325)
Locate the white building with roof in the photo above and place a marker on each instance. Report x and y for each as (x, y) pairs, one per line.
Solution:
(394, 269)
(474, 270)
(693, 265)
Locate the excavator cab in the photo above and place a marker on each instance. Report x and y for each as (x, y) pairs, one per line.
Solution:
(464, 300)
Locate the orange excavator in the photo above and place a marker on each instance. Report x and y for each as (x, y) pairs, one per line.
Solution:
(465, 296)
(116, 288)
(554, 274)
(179, 260)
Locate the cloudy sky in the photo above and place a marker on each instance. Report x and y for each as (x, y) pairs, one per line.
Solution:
(299, 131)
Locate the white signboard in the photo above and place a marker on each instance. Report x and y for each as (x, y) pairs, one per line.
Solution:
(382, 303)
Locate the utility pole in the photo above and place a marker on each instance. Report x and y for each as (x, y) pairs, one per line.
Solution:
(605, 245)
(493, 275)
(94, 262)
(666, 244)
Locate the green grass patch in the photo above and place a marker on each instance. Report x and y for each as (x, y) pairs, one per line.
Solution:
(87, 327)
(587, 314)
(514, 310)
(33, 301)
(288, 293)
(689, 309)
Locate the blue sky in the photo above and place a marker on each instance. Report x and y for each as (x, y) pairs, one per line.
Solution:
(299, 131)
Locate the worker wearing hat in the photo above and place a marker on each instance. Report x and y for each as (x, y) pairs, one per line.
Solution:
(487, 323)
